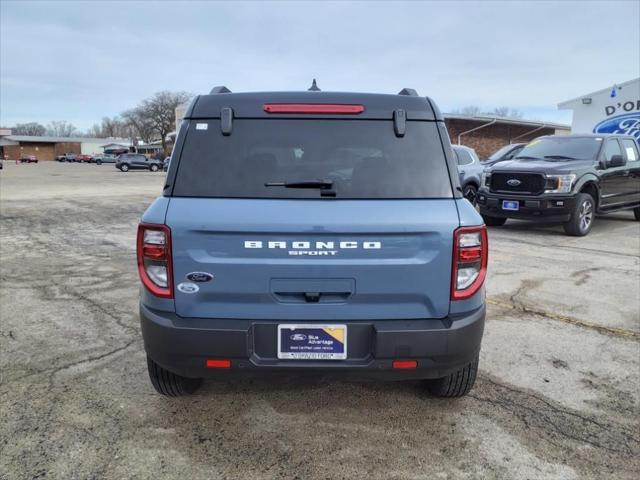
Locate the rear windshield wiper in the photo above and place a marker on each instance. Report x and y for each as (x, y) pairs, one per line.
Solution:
(321, 184)
(560, 157)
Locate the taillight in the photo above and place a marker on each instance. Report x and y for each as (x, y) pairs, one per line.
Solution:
(154, 259)
(470, 255)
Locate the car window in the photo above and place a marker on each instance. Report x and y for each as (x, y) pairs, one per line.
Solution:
(363, 159)
(611, 148)
(630, 149)
(463, 156)
(514, 152)
(500, 153)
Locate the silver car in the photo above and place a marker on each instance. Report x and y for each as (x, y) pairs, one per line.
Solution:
(470, 171)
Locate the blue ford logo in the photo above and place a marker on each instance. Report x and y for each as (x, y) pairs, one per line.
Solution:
(199, 276)
(298, 337)
(628, 124)
(513, 182)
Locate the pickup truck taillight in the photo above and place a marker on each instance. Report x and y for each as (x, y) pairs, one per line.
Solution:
(154, 259)
(470, 254)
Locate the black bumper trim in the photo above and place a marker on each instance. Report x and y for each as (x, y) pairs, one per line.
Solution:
(440, 346)
(540, 207)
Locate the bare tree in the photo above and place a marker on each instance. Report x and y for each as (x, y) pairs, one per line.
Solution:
(474, 110)
(470, 110)
(95, 130)
(138, 124)
(61, 128)
(160, 110)
(31, 128)
(506, 112)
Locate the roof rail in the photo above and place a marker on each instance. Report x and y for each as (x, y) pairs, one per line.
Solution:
(408, 91)
(219, 89)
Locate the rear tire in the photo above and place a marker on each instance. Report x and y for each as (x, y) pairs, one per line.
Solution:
(170, 384)
(98, 162)
(470, 192)
(456, 384)
(153, 168)
(494, 221)
(582, 216)
(636, 213)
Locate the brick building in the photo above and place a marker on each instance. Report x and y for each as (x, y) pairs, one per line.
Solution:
(487, 134)
(14, 147)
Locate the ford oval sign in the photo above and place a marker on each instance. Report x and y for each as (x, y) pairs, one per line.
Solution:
(628, 124)
(199, 276)
(514, 182)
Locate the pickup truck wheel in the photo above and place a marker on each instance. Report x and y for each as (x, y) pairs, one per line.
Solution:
(98, 162)
(636, 212)
(456, 384)
(124, 167)
(581, 217)
(153, 168)
(493, 221)
(170, 384)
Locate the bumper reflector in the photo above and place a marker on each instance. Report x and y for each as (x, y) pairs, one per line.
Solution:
(218, 363)
(405, 364)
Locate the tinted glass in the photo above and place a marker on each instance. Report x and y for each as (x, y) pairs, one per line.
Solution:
(463, 156)
(363, 159)
(611, 148)
(585, 148)
(630, 149)
(500, 153)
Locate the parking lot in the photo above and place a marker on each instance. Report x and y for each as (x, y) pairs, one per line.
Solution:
(557, 395)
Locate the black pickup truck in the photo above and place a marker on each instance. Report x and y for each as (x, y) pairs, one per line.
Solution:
(567, 179)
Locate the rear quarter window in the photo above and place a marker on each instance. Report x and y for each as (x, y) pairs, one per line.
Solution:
(363, 159)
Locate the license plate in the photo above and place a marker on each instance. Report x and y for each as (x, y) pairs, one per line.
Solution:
(312, 342)
(510, 205)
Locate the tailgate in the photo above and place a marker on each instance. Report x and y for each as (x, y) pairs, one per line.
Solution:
(313, 259)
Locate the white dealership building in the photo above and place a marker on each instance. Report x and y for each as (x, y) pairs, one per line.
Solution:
(615, 109)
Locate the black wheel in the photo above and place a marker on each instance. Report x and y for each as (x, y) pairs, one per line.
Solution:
(493, 221)
(98, 162)
(124, 167)
(636, 213)
(582, 216)
(456, 384)
(470, 192)
(170, 384)
(153, 168)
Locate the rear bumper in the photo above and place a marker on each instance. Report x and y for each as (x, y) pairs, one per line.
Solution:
(440, 346)
(550, 207)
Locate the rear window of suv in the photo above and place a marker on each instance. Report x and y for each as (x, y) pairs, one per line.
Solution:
(363, 159)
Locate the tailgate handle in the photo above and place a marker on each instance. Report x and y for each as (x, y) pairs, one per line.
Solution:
(312, 297)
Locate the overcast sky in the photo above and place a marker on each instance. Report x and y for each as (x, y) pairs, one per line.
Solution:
(79, 61)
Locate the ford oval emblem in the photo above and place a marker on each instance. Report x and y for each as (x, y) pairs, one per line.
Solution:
(514, 182)
(628, 124)
(199, 277)
(187, 287)
(298, 337)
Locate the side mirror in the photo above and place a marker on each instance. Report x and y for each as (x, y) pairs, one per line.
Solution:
(616, 161)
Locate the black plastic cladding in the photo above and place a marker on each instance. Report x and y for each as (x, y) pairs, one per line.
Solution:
(377, 106)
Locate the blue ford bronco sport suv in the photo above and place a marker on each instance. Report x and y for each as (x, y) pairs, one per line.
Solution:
(315, 233)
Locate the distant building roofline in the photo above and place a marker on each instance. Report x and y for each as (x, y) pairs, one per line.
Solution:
(506, 120)
(47, 139)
